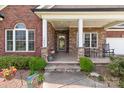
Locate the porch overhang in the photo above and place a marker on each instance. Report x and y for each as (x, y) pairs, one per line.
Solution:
(85, 15)
(78, 8)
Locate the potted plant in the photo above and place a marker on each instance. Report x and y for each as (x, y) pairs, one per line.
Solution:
(40, 79)
(51, 54)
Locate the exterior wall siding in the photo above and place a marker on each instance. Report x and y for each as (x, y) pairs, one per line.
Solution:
(13, 15)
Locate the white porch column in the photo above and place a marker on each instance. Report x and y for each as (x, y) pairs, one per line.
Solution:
(44, 50)
(80, 33)
(80, 38)
(44, 34)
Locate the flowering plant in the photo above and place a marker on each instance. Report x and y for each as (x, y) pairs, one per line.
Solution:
(8, 73)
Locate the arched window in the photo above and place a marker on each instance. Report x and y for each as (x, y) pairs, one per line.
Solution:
(20, 26)
(20, 38)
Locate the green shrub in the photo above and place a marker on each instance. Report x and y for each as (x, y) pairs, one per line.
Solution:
(116, 67)
(5, 62)
(112, 58)
(86, 64)
(121, 83)
(37, 63)
(21, 62)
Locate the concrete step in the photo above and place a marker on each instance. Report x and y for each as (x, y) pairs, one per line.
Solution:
(62, 67)
(101, 64)
(73, 66)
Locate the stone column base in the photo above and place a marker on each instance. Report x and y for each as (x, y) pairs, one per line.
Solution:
(44, 53)
(80, 52)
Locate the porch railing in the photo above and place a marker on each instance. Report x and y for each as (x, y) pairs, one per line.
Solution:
(92, 52)
(105, 51)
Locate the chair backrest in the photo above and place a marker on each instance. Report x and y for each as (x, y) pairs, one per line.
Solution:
(106, 47)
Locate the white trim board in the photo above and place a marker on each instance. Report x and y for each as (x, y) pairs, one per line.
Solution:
(114, 29)
(84, 15)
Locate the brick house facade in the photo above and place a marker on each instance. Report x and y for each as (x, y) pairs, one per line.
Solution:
(34, 20)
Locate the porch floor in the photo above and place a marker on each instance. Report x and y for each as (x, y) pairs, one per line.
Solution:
(63, 57)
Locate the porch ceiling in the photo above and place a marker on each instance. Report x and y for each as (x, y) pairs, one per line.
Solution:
(64, 24)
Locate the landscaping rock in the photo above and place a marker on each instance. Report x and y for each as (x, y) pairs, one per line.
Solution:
(94, 74)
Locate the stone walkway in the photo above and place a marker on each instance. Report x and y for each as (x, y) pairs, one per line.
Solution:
(69, 80)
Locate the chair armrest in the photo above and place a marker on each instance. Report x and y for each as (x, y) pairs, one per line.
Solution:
(112, 50)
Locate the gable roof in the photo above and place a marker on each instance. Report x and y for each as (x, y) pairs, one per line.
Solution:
(78, 8)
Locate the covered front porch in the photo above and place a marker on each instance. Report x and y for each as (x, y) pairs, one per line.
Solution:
(73, 38)
(69, 36)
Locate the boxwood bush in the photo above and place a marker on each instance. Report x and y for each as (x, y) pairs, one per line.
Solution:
(22, 62)
(86, 64)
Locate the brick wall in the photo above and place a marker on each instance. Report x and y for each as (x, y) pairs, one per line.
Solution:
(73, 38)
(115, 34)
(13, 15)
(51, 37)
(73, 41)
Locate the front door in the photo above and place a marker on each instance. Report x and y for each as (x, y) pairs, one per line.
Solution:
(61, 42)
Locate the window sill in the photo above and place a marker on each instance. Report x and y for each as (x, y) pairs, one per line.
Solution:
(19, 51)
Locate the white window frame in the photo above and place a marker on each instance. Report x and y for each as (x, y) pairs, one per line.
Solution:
(34, 38)
(14, 43)
(91, 39)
